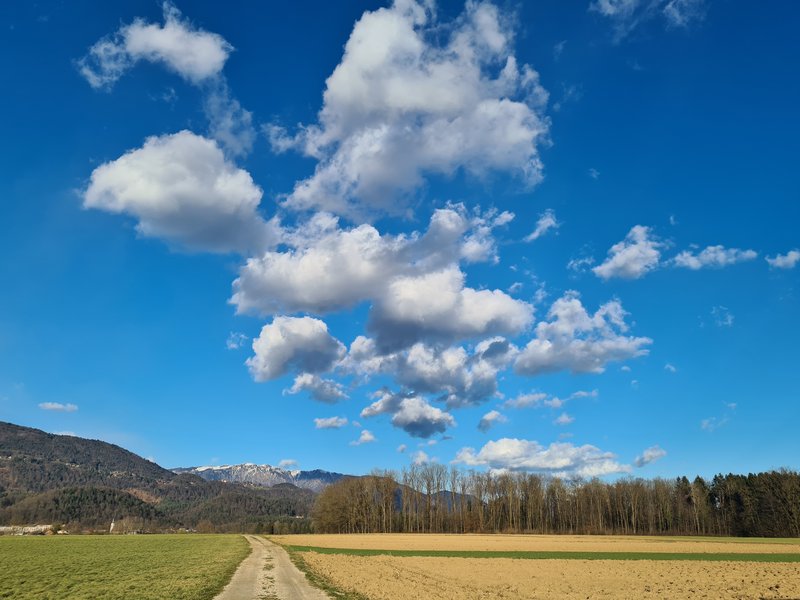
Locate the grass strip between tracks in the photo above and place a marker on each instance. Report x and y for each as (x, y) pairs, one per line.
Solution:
(559, 555)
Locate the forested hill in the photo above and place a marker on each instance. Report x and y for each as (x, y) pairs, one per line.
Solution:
(84, 484)
(41, 461)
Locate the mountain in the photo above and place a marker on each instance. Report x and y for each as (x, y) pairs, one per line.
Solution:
(85, 484)
(265, 475)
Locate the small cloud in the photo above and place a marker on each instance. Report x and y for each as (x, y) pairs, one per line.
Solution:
(670, 368)
(69, 433)
(635, 384)
(547, 221)
(490, 419)
(625, 369)
(784, 261)
(722, 316)
(402, 448)
(421, 458)
(713, 423)
(650, 455)
(672, 220)
(594, 173)
(558, 49)
(57, 406)
(287, 462)
(515, 287)
(356, 424)
(235, 340)
(564, 419)
(581, 264)
(366, 437)
(330, 423)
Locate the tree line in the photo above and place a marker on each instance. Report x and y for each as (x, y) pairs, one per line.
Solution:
(434, 499)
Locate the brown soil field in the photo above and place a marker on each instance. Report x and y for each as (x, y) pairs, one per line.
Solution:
(561, 543)
(400, 578)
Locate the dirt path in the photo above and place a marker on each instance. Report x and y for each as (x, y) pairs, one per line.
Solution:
(268, 574)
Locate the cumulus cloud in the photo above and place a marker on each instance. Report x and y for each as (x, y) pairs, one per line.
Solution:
(489, 419)
(412, 414)
(713, 257)
(330, 423)
(58, 406)
(559, 459)
(420, 458)
(192, 53)
(564, 419)
(366, 437)
(650, 455)
(547, 221)
(414, 96)
(784, 261)
(439, 307)
(293, 343)
(572, 339)
(327, 268)
(526, 400)
(633, 257)
(287, 462)
(461, 378)
(181, 188)
(321, 390)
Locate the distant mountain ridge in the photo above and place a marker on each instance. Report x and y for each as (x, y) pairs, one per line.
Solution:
(85, 484)
(264, 475)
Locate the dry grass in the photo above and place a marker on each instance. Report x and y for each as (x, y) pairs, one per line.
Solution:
(398, 578)
(473, 575)
(544, 543)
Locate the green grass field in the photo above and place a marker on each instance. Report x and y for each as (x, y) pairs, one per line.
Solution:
(145, 567)
(543, 555)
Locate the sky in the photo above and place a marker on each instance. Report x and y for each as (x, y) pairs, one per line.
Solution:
(539, 236)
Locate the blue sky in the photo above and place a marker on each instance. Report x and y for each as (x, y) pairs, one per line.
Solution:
(544, 236)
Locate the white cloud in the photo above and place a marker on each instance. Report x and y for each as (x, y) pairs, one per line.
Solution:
(564, 419)
(287, 462)
(580, 264)
(681, 13)
(402, 448)
(461, 379)
(181, 188)
(594, 173)
(784, 261)
(327, 268)
(192, 53)
(650, 455)
(321, 390)
(526, 400)
(366, 437)
(410, 413)
(438, 307)
(574, 340)
(293, 343)
(722, 316)
(558, 459)
(490, 419)
(633, 257)
(547, 221)
(413, 96)
(235, 340)
(712, 256)
(229, 123)
(58, 406)
(669, 367)
(626, 15)
(330, 423)
(420, 458)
